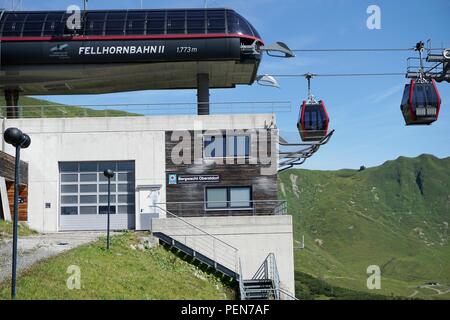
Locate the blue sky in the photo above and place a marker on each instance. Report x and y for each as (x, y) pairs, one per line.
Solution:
(364, 111)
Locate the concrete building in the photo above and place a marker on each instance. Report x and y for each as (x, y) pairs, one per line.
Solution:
(209, 182)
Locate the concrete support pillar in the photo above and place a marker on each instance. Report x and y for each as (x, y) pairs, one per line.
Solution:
(203, 94)
(12, 103)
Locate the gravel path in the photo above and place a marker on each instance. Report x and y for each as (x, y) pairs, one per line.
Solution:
(35, 248)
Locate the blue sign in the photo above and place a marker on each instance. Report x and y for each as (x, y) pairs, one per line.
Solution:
(172, 179)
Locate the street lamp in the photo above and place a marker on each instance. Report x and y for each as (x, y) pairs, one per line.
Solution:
(19, 140)
(108, 174)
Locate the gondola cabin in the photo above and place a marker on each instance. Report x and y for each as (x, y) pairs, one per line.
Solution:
(313, 121)
(421, 103)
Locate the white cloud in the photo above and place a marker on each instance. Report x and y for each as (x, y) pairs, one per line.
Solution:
(382, 96)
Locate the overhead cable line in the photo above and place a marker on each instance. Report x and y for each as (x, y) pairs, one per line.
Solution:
(340, 75)
(355, 50)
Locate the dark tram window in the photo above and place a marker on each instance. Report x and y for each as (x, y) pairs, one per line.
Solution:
(216, 21)
(255, 33)
(13, 24)
(237, 24)
(196, 22)
(155, 22)
(115, 23)
(95, 22)
(39, 17)
(176, 22)
(135, 27)
(424, 95)
(54, 26)
(315, 118)
(32, 29)
(117, 16)
(34, 24)
(135, 24)
(405, 98)
(136, 15)
(114, 28)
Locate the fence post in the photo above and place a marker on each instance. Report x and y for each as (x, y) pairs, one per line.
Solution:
(214, 250)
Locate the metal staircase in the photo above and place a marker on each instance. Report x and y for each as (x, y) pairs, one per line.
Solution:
(258, 289)
(195, 255)
(212, 252)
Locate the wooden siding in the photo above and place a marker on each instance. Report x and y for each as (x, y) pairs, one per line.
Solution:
(264, 187)
(23, 194)
(7, 164)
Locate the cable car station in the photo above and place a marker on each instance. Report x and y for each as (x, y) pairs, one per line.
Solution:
(205, 184)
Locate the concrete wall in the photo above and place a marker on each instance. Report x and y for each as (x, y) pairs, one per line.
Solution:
(104, 139)
(255, 237)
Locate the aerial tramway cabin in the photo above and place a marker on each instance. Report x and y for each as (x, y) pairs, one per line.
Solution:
(421, 102)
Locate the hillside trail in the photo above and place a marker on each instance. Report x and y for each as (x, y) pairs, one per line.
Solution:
(35, 248)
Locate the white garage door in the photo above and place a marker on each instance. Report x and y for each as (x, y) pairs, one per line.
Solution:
(84, 195)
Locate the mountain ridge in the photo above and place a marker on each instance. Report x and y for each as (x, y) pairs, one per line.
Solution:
(395, 216)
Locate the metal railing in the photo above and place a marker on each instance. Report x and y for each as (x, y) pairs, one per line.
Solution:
(269, 271)
(201, 241)
(149, 109)
(228, 208)
(221, 252)
(286, 295)
(241, 282)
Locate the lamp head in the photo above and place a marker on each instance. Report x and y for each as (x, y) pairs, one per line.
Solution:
(17, 138)
(26, 141)
(447, 53)
(108, 173)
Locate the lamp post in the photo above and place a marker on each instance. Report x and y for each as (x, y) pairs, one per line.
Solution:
(19, 140)
(108, 174)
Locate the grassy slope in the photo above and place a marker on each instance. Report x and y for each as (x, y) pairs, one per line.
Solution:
(395, 216)
(6, 229)
(121, 273)
(51, 109)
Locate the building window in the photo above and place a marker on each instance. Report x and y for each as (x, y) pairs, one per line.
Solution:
(84, 188)
(219, 198)
(240, 197)
(216, 198)
(230, 146)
